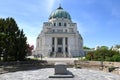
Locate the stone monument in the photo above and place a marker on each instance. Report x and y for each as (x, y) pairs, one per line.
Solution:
(61, 71)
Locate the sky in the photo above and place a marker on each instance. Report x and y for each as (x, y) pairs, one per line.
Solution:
(98, 21)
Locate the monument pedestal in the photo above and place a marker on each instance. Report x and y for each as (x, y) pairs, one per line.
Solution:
(61, 71)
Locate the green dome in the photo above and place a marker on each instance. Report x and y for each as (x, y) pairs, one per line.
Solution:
(60, 13)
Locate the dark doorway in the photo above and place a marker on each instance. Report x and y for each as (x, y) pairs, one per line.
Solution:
(59, 41)
(59, 49)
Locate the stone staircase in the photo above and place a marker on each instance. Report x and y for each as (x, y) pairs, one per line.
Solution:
(59, 55)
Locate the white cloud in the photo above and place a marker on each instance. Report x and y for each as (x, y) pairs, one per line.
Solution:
(50, 4)
(32, 30)
(29, 15)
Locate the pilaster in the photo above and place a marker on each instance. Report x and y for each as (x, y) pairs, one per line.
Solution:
(64, 47)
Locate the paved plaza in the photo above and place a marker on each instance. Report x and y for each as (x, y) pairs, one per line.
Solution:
(43, 74)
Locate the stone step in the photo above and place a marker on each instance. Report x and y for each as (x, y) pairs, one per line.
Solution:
(59, 55)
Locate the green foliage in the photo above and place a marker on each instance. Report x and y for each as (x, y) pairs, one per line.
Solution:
(85, 47)
(12, 41)
(116, 58)
(103, 55)
(104, 48)
(89, 56)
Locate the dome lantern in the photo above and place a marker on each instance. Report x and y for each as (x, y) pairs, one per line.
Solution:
(59, 7)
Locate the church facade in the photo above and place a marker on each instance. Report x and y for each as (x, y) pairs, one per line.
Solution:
(59, 36)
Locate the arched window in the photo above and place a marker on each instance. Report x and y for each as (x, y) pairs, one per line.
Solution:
(65, 24)
(54, 24)
(59, 24)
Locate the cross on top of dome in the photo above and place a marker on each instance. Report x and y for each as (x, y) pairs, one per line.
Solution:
(59, 7)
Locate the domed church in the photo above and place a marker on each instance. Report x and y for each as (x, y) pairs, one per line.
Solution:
(59, 37)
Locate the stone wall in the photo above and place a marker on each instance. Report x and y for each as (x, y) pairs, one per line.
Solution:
(98, 65)
(115, 64)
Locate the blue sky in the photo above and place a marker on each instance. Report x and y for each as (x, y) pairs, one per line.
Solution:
(98, 21)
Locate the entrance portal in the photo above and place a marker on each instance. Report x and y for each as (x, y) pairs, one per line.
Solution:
(59, 49)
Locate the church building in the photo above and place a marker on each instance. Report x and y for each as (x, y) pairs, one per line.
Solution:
(59, 36)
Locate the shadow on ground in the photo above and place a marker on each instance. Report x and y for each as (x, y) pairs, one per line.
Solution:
(14, 66)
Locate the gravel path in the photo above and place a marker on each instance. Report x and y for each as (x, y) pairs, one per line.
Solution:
(43, 74)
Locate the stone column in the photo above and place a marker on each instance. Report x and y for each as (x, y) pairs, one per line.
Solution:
(69, 51)
(64, 47)
(55, 47)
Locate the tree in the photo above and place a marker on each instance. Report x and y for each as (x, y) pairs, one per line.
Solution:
(2, 37)
(103, 55)
(13, 44)
(116, 58)
(21, 46)
(90, 56)
(30, 48)
(85, 47)
(104, 47)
